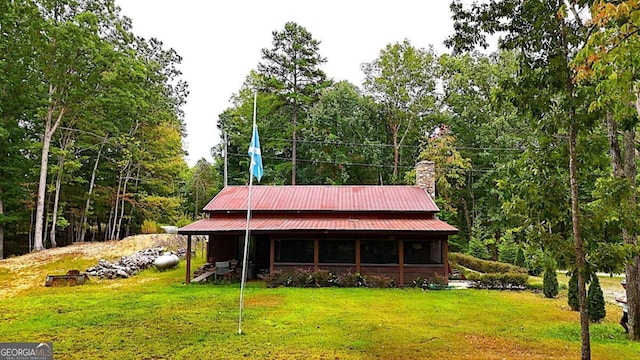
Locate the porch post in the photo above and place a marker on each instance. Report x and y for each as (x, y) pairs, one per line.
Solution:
(188, 272)
(357, 255)
(445, 258)
(316, 254)
(272, 254)
(401, 260)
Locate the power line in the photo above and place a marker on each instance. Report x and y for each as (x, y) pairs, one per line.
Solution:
(329, 142)
(281, 158)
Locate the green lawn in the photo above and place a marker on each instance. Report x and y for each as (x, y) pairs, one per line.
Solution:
(154, 316)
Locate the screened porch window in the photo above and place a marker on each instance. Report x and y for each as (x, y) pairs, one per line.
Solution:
(294, 251)
(423, 252)
(337, 251)
(379, 252)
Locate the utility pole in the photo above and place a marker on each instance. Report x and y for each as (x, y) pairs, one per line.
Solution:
(226, 158)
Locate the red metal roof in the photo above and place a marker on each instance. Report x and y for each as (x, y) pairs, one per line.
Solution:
(324, 198)
(289, 224)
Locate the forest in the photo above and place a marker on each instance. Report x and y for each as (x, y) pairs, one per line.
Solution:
(535, 144)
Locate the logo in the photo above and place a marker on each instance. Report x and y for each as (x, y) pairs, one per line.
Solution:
(26, 351)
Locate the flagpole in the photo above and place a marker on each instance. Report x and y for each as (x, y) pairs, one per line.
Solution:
(245, 257)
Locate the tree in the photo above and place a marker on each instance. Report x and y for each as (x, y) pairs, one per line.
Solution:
(610, 60)
(203, 183)
(402, 81)
(71, 60)
(550, 282)
(520, 261)
(488, 132)
(595, 299)
(546, 38)
(342, 139)
(572, 293)
(18, 90)
(291, 69)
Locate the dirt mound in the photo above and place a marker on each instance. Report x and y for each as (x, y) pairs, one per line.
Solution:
(26, 271)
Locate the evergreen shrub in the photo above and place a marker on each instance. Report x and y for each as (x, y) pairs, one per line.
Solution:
(595, 301)
(550, 283)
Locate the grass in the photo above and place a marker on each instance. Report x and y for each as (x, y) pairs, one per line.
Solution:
(154, 316)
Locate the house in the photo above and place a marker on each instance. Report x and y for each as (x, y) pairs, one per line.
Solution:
(385, 230)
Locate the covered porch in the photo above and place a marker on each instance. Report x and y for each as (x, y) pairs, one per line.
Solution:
(403, 256)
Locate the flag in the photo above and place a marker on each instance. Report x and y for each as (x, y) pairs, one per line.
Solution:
(256, 157)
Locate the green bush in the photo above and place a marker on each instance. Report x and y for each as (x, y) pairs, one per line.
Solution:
(323, 278)
(275, 279)
(595, 301)
(380, 281)
(572, 294)
(505, 281)
(550, 283)
(520, 261)
(478, 249)
(350, 280)
(484, 266)
(421, 283)
(183, 221)
(151, 227)
(507, 252)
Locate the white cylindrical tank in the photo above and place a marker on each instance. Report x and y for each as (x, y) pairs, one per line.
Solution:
(166, 261)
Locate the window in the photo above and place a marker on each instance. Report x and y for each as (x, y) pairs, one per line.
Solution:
(294, 251)
(423, 252)
(337, 251)
(379, 252)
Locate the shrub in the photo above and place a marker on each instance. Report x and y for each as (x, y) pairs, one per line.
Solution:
(484, 266)
(183, 221)
(572, 295)
(421, 283)
(507, 252)
(275, 279)
(323, 278)
(595, 301)
(350, 280)
(438, 279)
(535, 262)
(520, 258)
(380, 281)
(151, 227)
(301, 278)
(550, 283)
(505, 281)
(478, 249)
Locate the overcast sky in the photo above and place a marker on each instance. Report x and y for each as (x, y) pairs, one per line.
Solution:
(220, 43)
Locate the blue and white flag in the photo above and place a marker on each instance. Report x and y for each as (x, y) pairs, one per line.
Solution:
(256, 157)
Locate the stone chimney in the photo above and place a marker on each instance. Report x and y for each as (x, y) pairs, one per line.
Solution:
(426, 177)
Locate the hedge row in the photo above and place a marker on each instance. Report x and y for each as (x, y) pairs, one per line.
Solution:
(505, 281)
(325, 278)
(484, 266)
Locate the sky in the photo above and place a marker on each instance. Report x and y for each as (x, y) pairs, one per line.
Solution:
(220, 43)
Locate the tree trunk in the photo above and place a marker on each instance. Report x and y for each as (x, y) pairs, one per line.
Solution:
(44, 162)
(629, 235)
(578, 246)
(54, 214)
(122, 205)
(1, 228)
(396, 152)
(614, 147)
(42, 188)
(113, 216)
(294, 144)
(87, 205)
